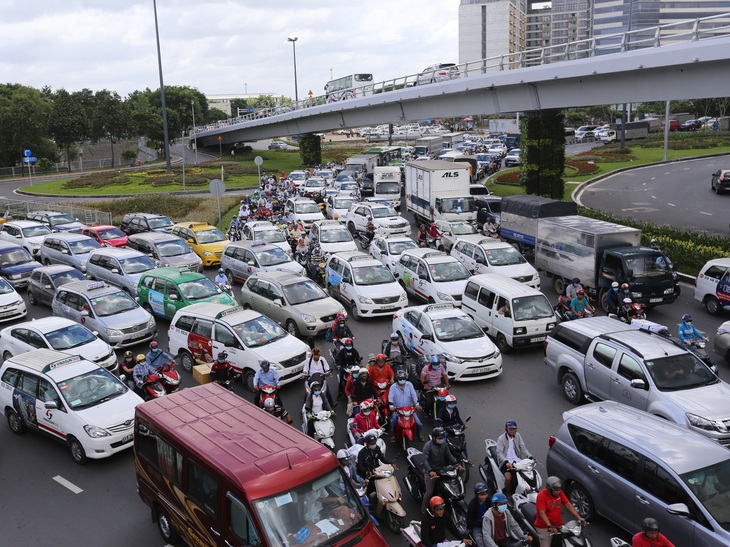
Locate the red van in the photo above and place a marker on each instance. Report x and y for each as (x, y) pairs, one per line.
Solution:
(216, 470)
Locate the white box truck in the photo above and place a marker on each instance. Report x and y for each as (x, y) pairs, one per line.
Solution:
(361, 164)
(439, 190)
(387, 184)
(425, 146)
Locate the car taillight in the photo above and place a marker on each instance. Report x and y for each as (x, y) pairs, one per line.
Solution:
(551, 441)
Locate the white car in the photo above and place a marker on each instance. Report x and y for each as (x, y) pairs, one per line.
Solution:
(389, 249)
(326, 174)
(432, 276)
(497, 149)
(442, 329)
(314, 187)
(363, 284)
(440, 72)
(71, 399)
(451, 230)
(336, 206)
(27, 233)
(713, 285)
(267, 232)
(481, 254)
(303, 209)
(298, 178)
(12, 305)
(386, 220)
(60, 334)
(348, 187)
(333, 237)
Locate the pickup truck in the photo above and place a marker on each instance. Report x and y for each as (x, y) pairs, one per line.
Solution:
(601, 358)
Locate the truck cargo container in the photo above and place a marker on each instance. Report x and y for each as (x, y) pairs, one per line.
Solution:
(439, 190)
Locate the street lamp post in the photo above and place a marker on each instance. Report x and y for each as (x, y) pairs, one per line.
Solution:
(294, 49)
(162, 95)
(195, 133)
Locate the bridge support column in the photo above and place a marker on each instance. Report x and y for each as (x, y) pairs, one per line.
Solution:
(543, 154)
(310, 149)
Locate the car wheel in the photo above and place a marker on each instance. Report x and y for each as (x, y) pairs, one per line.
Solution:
(571, 388)
(167, 530)
(559, 285)
(31, 298)
(581, 500)
(231, 279)
(292, 329)
(7, 355)
(717, 190)
(77, 451)
(502, 344)
(247, 378)
(355, 312)
(351, 227)
(15, 423)
(186, 361)
(247, 306)
(431, 300)
(712, 305)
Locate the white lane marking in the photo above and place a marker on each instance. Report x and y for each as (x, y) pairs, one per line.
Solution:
(653, 197)
(703, 213)
(652, 178)
(671, 204)
(68, 484)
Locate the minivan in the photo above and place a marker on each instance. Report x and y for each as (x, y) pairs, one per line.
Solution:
(68, 248)
(526, 322)
(481, 254)
(240, 476)
(626, 465)
(712, 287)
(166, 250)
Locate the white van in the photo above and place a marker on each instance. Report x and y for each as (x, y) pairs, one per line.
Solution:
(387, 184)
(512, 313)
(481, 255)
(713, 285)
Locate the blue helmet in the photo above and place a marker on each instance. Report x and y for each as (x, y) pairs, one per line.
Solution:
(434, 359)
(686, 318)
(499, 497)
(480, 487)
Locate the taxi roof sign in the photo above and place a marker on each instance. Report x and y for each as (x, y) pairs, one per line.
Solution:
(61, 362)
(258, 243)
(439, 307)
(434, 253)
(357, 257)
(230, 311)
(95, 285)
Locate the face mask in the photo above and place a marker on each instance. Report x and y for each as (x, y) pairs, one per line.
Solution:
(439, 441)
(615, 289)
(363, 379)
(402, 382)
(502, 508)
(356, 375)
(317, 392)
(451, 406)
(366, 412)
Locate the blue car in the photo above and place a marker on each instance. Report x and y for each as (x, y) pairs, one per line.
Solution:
(16, 264)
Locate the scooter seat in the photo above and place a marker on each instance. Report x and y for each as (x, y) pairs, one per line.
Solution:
(418, 463)
(529, 510)
(493, 453)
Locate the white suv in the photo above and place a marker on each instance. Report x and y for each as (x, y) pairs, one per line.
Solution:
(303, 209)
(333, 237)
(432, 276)
(386, 220)
(298, 178)
(713, 285)
(28, 233)
(481, 255)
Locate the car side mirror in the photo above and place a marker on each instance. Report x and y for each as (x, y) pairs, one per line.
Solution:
(84, 313)
(396, 275)
(278, 302)
(51, 405)
(638, 383)
(173, 296)
(630, 274)
(191, 242)
(95, 332)
(423, 276)
(64, 251)
(115, 271)
(18, 236)
(48, 287)
(428, 337)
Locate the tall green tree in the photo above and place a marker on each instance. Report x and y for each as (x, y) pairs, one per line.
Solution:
(543, 153)
(110, 118)
(68, 122)
(24, 113)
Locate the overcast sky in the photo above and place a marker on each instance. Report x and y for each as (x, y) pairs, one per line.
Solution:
(219, 46)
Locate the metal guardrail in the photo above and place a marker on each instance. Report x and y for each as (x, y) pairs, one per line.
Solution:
(692, 30)
(18, 209)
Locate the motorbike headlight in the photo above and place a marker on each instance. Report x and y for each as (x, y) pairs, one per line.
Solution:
(365, 300)
(113, 332)
(444, 296)
(705, 424)
(96, 432)
(308, 318)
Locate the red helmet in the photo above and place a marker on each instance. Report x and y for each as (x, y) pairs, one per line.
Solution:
(348, 343)
(442, 392)
(380, 357)
(366, 404)
(450, 398)
(436, 500)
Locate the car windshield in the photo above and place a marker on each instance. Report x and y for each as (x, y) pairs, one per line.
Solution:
(335, 235)
(303, 292)
(372, 275)
(90, 389)
(33, 231)
(484, 157)
(397, 247)
(15, 256)
(83, 246)
(159, 223)
(304, 208)
(286, 515)
(531, 307)
(297, 176)
(711, 486)
(458, 205)
(508, 256)
(343, 203)
(112, 304)
(451, 329)
(326, 173)
(448, 271)
(315, 183)
(60, 220)
(110, 233)
(67, 276)
(6, 288)
(69, 337)
(198, 289)
(137, 264)
(646, 265)
(387, 188)
(384, 212)
(272, 257)
(258, 332)
(680, 372)
(462, 228)
(210, 236)
(271, 236)
(348, 186)
(174, 247)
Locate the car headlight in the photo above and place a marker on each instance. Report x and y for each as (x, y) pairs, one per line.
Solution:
(365, 300)
(636, 295)
(113, 332)
(14, 276)
(519, 330)
(703, 423)
(403, 296)
(670, 290)
(96, 432)
(308, 318)
(444, 296)
(151, 323)
(722, 329)
(452, 358)
(207, 253)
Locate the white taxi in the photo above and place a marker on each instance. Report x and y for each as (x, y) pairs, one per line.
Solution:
(333, 237)
(12, 305)
(432, 276)
(480, 254)
(336, 206)
(442, 329)
(303, 210)
(386, 220)
(389, 249)
(69, 399)
(263, 230)
(364, 284)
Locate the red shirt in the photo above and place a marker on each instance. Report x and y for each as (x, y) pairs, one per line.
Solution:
(640, 540)
(552, 507)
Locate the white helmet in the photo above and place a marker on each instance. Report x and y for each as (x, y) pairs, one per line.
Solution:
(342, 454)
(269, 404)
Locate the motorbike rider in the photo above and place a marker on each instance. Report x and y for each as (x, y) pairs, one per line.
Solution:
(476, 510)
(156, 357)
(422, 236)
(433, 376)
(362, 389)
(499, 527)
(369, 458)
(510, 449)
(347, 357)
(364, 420)
(436, 456)
(318, 364)
(369, 231)
(381, 369)
(277, 410)
(141, 371)
(572, 289)
(650, 535)
(265, 376)
(449, 416)
(490, 227)
(625, 292)
(221, 279)
(549, 505)
(393, 349)
(402, 394)
(315, 403)
(687, 332)
(626, 311)
(340, 330)
(126, 367)
(221, 370)
(579, 306)
(434, 524)
(348, 466)
(613, 299)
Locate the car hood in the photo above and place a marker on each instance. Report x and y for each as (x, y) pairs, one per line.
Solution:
(36, 241)
(381, 291)
(94, 351)
(282, 349)
(293, 267)
(10, 298)
(339, 247)
(180, 260)
(474, 347)
(390, 222)
(319, 308)
(515, 270)
(13, 269)
(712, 402)
(113, 412)
(116, 241)
(70, 227)
(451, 287)
(125, 319)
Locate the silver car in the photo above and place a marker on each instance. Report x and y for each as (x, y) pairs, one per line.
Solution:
(120, 267)
(291, 300)
(106, 309)
(165, 250)
(45, 280)
(68, 248)
(242, 259)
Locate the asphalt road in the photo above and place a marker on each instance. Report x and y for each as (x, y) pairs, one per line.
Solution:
(674, 194)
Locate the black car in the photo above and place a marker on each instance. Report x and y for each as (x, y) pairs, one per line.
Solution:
(488, 206)
(137, 223)
(721, 181)
(690, 125)
(367, 185)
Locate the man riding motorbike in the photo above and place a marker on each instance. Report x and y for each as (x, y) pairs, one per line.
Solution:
(436, 456)
(222, 371)
(156, 357)
(347, 357)
(687, 331)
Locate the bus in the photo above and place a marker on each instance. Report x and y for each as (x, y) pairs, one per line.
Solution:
(349, 87)
(387, 155)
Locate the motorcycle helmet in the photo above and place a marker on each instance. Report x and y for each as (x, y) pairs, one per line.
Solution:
(269, 404)
(364, 371)
(450, 399)
(128, 354)
(580, 291)
(614, 285)
(401, 375)
(263, 364)
(366, 405)
(554, 483)
(627, 301)
(433, 224)
(438, 433)
(510, 424)
(434, 359)
(221, 271)
(394, 336)
(343, 455)
(442, 393)
(314, 385)
(153, 345)
(576, 281)
(624, 286)
(686, 318)
(370, 438)
(348, 343)
(499, 498)
(380, 357)
(222, 356)
(436, 502)
(371, 357)
(480, 488)
(354, 370)
(141, 358)
(650, 525)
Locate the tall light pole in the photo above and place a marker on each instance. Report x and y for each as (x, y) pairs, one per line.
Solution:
(195, 133)
(162, 94)
(294, 49)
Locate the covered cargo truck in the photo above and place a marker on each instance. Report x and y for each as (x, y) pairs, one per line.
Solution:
(361, 164)
(387, 184)
(518, 221)
(439, 190)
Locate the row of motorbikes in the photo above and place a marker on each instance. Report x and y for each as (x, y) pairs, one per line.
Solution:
(163, 381)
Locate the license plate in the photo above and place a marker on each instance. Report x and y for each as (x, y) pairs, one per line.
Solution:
(298, 368)
(5, 313)
(388, 308)
(137, 335)
(537, 339)
(129, 438)
(480, 370)
(655, 300)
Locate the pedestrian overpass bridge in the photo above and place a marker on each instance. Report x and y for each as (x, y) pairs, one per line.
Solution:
(639, 66)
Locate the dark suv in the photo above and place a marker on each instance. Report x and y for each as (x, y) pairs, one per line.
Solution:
(137, 223)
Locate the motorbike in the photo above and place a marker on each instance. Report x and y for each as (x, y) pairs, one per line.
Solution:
(412, 535)
(699, 348)
(529, 481)
(456, 439)
(618, 542)
(524, 512)
(385, 499)
(382, 389)
(378, 432)
(361, 488)
(267, 391)
(153, 388)
(169, 377)
(432, 400)
(226, 288)
(450, 487)
(434, 243)
(324, 427)
(571, 534)
(224, 377)
(405, 426)
(315, 268)
(635, 311)
(362, 239)
(562, 308)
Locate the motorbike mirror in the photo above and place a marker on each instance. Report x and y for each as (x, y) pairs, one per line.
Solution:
(467, 419)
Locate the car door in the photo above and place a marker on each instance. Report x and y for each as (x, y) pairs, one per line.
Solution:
(480, 260)
(276, 310)
(598, 370)
(423, 287)
(46, 289)
(225, 339)
(57, 422)
(629, 369)
(486, 310)
(409, 330)
(333, 273)
(428, 344)
(465, 254)
(707, 282)
(612, 474)
(200, 340)
(447, 237)
(25, 399)
(250, 293)
(173, 299)
(348, 292)
(378, 250)
(237, 263)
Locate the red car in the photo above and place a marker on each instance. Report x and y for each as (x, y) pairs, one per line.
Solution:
(109, 236)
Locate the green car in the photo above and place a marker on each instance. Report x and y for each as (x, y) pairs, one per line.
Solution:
(163, 291)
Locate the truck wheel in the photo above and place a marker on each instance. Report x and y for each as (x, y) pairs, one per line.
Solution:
(603, 299)
(502, 344)
(712, 305)
(559, 285)
(167, 530)
(571, 388)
